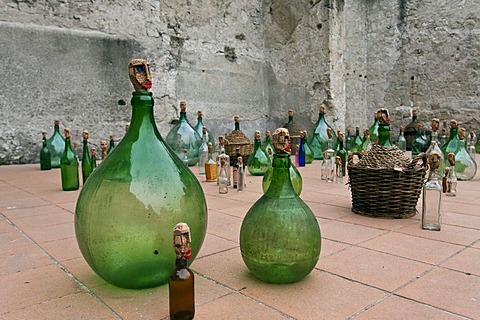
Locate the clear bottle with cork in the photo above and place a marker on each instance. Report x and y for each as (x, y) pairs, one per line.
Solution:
(203, 152)
(240, 175)
(221, 154)
(451, 176)
(432, 195)
(401, 141)
(181, 282)
(45, 157)
(69, 166)
(222, 178)
(338, 170)
(210, 165)
(329, 158)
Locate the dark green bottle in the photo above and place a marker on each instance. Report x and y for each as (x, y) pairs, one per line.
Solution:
(56, 145)
(69, 166)
(384, 135)
(374, 130)
(258, 162)
(342, 152)
(127, 210)
(356, 145)
(86, 158)
(280, 238)
(111, 145)
(45, 158)
(93, 158)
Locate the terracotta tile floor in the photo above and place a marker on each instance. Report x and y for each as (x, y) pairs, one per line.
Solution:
(370, 268)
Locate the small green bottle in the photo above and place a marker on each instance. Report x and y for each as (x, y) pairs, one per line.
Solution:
(258, 162)
(111, 145)
(342, 152)
(56, 145)
(93, 158)
(69, 166)
(383, 128)
(452, 143)
(280, 238)
(374, 129)
(356, 145)
(267, 148)
(86, 158)
(45, 158)
(308, 151)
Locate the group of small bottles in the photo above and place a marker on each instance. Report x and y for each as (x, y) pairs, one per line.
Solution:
(227, 176)
(57, 152)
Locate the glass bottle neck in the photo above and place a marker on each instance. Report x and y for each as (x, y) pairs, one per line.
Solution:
(237, 126)
(181, 263)
(142, 114)
(258, 144)
(384, 135)
(453, 133)
(281, 186)
(183, 115)
(290, 119)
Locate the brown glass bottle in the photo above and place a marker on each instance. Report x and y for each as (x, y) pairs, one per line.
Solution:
(181, 281)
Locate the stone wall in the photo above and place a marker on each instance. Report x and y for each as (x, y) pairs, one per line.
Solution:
(255, 58)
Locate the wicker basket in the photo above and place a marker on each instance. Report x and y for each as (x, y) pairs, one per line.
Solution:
(237, 139)
(386, 183)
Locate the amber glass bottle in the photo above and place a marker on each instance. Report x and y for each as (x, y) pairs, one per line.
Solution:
(181, 283)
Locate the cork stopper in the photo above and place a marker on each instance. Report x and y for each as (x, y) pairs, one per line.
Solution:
(453, 124)
(44, 135)
(402, 129)
(357, 129)
(199, 114)
(210, 147)
(183, 106)
(329, 133)
(321, 109)
(181, 241)
(139, 73)
(236, 118)
(240, 161)
(93, 152)
(204, 130)
(67, 133)
(127, 126)
(85, 134)
(340, 135)
(56, 122)
(414, 112)
(383, 116)
(268, 134)
(257, 134)
(290, 112)
(280, 140)
(338, 160)
(434, 160)
(462, 133)
(111, 138)
(451, 158)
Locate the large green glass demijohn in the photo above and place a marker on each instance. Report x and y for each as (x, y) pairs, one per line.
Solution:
(130, 203)
(258, 162)
(56, 145)
(184, 137)
(280, 237)
(318, 135)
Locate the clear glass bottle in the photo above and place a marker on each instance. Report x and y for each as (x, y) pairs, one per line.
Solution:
(126, 211)
(411, 130)
(69, 166)
(435, 148)
(240, 175)
(452, 179)
(181, 282)
(45, 157)
(338, 170)
(227, 162)
(56, 145)
(86, 158)
(329, 158)
(203, 152)
(235, 167)
(471, 140)
(432, 195)
(280, 238)
(223, 180)
(465, 165)
(183, 136)
(319, 136)
(258, 162)
(401, 141)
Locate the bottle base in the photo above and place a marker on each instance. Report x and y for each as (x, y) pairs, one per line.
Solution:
(431, 227)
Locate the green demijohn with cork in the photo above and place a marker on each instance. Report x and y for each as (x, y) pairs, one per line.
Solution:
(280, 237)
(129, 205)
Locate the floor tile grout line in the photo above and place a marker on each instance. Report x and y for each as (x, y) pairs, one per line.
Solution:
(68, 273)
(205, 277)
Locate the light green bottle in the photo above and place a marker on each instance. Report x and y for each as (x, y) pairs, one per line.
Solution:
(69, 166)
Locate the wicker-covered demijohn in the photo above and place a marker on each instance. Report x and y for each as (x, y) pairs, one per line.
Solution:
(386, 183)
(237, 139)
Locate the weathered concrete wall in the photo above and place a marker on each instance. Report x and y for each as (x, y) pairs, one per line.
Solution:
(67, 60)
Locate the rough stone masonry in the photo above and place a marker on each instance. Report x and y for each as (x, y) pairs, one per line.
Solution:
(64, 59)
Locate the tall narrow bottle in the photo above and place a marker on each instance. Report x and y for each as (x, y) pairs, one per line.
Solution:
(329, 157)
(126, 211)
(45, 157)
(411, 130)
(308, 151)
(199, 128)
(69, 166)
(93, 158)
(280, 238)
(384, 128)
(356, 145)
(226, 164)
(223, 179)
(181, 283)
(183, 136)
(374, 129)
(451, 176)
(471, 140)
(104, 148)
(258, 162)
(342, 153)
(240, 175)
(301, 151)
(338, 170)
(401, 141)
(319, 136)
(86, 158)
(111, 144)
(432, 195)
(267, 148)
(56, 145)
(203, 152)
